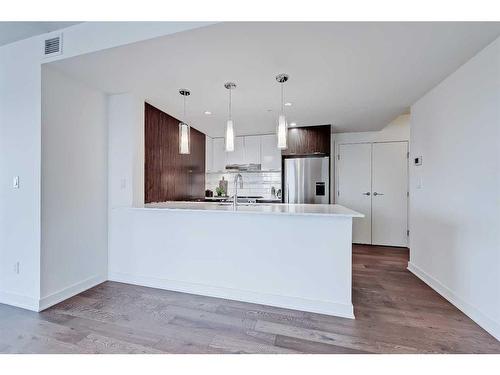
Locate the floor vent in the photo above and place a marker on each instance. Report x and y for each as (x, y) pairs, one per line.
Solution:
(53, 46)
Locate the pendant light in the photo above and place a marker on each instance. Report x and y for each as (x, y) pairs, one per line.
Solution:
(282, 124)
(229, 137)
(184, 129)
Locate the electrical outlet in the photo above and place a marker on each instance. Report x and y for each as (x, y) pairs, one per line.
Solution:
(123, 183)
(16, 268)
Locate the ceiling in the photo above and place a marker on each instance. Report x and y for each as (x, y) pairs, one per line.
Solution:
(13, 31)
(355, 76)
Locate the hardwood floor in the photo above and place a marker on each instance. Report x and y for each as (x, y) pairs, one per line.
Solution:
(395, 313)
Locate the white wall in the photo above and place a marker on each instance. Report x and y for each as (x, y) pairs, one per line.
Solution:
(89, 37)
(20, 143)
(74, 187)
(396, 130)
(20, 156)
(455, 215)
(126, 150)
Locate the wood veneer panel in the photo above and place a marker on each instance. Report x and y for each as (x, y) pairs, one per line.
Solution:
(309, 140)
(168, 175)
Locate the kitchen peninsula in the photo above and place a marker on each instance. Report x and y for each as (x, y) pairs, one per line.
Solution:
(296, 256)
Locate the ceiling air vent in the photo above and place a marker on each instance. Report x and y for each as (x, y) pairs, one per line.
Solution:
(53, 46)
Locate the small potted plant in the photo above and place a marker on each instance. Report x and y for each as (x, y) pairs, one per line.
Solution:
(220, 191)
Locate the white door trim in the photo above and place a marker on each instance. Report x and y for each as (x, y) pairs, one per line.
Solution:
(336, 147)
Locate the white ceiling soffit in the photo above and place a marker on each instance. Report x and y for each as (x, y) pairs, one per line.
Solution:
(13, 31)
(355, 76)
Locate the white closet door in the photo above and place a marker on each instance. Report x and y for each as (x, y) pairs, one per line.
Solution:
(389, 193)
(354, 187)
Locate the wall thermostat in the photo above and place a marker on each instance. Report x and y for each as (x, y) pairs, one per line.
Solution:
(417, 160)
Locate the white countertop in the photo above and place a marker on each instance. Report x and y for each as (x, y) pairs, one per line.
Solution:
(260, 208)
(217, 199)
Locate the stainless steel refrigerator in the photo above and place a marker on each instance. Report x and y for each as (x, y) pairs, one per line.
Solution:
(307, 180)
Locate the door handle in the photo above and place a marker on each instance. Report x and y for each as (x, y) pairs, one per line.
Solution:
(367, 193)
(375, 194)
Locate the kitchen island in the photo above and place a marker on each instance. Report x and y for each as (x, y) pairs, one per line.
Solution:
(296, 256)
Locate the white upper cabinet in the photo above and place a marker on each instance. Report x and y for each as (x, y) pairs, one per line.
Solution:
(219, 155)
(209, 153)
(270, 153)
(252, 149)
(238, 155)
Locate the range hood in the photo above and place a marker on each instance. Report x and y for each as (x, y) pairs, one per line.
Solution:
(243, 167)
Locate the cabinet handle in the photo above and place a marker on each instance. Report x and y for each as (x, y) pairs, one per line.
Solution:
(375, 194)
(367, 193)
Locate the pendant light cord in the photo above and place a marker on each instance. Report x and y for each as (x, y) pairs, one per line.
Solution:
(184, 108)
(230, 109)
(282, 100)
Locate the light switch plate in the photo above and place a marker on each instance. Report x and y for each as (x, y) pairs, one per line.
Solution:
(419, 183)
(15, 182)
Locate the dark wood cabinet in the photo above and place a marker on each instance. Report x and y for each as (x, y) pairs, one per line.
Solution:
(310, 140)
(169, 175)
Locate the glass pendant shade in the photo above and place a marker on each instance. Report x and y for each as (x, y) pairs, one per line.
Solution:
(229, 136)
(184, 137)
(282, 132)
(184, 129)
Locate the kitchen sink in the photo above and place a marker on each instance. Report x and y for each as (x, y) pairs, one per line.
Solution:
(244, 204)
(239, 204)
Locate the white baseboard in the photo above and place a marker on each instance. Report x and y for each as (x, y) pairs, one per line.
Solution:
(294, 303)
(70, 291)
(19, 300)
(481, 319)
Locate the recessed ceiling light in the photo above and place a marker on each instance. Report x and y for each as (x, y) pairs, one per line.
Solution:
(288, 104)
(293, 124)
(208, 112)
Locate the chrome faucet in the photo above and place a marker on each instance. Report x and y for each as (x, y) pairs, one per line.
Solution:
(235, 196)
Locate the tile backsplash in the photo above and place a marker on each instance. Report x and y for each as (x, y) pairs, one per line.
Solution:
(254, 183)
